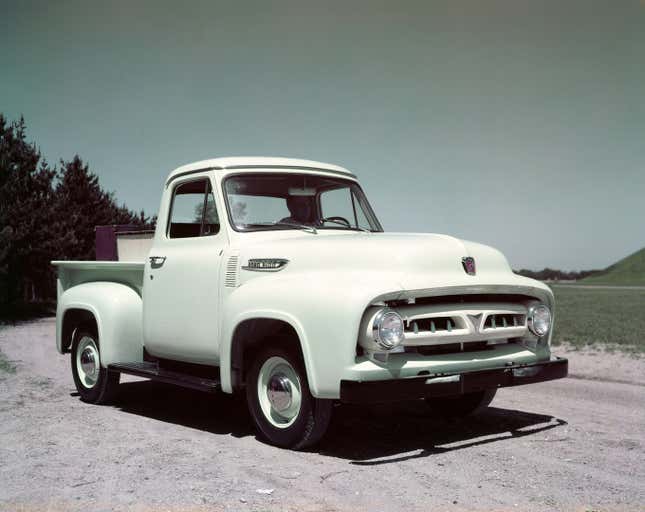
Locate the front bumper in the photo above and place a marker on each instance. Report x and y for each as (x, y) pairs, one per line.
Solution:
(446, 384)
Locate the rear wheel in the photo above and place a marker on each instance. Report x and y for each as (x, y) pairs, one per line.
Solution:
(94, 383)
(283, 410)
(461, 405)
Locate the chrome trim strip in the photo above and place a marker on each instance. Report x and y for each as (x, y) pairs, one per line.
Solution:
(484, 289)
(443, 380)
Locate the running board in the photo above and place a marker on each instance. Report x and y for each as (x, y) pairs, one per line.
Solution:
(152, 371)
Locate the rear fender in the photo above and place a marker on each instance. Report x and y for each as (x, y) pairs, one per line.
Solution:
(117, 310)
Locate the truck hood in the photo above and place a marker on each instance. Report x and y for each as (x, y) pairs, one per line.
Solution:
(410, 262)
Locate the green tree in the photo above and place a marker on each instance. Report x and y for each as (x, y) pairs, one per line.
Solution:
(28, 231)
(81, 205)
(211, 216)
(46, 214)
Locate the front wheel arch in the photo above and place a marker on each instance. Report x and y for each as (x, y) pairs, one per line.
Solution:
(251, 335)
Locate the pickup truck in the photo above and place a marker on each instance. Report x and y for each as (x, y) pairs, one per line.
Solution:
(273, 277)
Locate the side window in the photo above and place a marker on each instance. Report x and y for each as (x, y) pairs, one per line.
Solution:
(193, 212)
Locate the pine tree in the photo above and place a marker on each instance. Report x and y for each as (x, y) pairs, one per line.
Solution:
(46, 215)
(26, 199)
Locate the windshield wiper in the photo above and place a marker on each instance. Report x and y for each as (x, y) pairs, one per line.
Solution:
(355, 228)
(295, 225)
(305, 227)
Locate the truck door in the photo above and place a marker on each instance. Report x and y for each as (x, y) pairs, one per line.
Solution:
(181, 281)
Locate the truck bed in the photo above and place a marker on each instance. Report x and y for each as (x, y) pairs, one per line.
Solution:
(71, 273)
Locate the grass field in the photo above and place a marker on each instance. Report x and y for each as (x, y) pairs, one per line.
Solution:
(614, 317)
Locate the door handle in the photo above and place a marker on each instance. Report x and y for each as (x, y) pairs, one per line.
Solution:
(157, 261)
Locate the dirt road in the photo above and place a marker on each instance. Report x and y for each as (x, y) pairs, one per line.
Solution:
(574, 444)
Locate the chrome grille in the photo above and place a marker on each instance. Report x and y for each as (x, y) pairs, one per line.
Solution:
(434, 324)
(461, 323)
(502, 320)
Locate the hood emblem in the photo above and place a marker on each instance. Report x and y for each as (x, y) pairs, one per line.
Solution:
(469, 265)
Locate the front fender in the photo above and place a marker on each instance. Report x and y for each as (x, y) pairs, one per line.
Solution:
(117, 309)
(264, 313)
(324, 309)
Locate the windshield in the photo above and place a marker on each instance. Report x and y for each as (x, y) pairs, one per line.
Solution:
(301, 201)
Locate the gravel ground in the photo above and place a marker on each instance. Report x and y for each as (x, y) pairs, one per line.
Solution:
(574, 444)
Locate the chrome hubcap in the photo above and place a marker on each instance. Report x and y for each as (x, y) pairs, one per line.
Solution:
(88, 363)
(279, 392)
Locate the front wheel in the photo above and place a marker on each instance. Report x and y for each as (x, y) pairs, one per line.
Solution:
(283, 410)
(461, 405)
(94, 383)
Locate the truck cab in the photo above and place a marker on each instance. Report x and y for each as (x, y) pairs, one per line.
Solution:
(274, 277)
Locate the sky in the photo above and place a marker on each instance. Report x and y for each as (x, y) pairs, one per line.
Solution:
(517, 124)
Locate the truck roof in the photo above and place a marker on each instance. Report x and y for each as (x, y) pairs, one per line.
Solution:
(257, 162)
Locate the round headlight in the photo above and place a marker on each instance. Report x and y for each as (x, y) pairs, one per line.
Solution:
(539, 320)
(388, 329)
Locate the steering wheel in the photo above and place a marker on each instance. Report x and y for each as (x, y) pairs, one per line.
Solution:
(337, 220)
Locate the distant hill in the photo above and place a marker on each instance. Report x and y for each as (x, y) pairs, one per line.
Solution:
(551, 274)
(628, 271)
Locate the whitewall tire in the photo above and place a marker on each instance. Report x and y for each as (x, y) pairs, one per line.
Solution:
(281, 406)
(94, 383)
